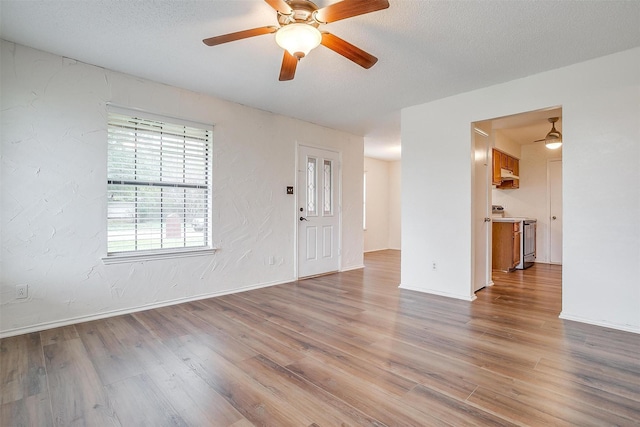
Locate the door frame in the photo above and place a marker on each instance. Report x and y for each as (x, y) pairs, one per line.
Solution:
(487, 138)
(549, 207)
(296, 213)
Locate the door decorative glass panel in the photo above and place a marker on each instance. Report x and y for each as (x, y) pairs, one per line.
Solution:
(328, 187)
(312, 198)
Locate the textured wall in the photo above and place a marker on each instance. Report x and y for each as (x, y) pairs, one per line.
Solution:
(53, 194)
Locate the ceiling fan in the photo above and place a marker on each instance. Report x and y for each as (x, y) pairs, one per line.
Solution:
(298, 32)
(553, 140)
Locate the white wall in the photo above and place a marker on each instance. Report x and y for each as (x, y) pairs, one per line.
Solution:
(383, 205)
(53, 194)
(531, 199)
(505, 144)
(395, 204)
(376, 236)
(600, 102)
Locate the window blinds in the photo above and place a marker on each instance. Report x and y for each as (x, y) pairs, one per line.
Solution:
(159, 184)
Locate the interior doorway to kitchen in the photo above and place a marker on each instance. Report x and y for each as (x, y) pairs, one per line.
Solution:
(530, 188)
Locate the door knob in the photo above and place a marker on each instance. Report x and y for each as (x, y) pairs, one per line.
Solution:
(553, 217)
(487, 220)
(303, 219)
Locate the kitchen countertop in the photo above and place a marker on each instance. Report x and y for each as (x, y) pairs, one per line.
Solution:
(512, 219)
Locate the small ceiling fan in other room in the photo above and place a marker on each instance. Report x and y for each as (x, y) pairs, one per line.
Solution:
(298, 31)
(553, 140)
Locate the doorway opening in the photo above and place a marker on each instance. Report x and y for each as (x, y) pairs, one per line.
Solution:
(517, 193)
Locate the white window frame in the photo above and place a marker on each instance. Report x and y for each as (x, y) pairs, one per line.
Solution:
(136, 254)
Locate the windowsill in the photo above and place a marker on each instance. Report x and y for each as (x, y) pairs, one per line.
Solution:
(153, 256)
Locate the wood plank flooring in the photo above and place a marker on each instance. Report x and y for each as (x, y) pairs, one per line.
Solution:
(343, 349)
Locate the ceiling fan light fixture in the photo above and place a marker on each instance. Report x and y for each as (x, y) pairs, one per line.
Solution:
(553, 145)
(553, 140)
(298, 39)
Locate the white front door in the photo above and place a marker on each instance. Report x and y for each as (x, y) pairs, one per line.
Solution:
(554, 176)
(318, 214)
(481, 217)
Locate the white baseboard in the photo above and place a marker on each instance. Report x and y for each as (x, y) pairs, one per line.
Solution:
(626, 328)
(79, 319)
(355, 267)
(442, 294)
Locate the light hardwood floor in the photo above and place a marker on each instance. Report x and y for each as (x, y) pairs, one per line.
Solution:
(342, 349)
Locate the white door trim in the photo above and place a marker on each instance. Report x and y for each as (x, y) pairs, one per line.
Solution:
(549, 213)
(480, 261)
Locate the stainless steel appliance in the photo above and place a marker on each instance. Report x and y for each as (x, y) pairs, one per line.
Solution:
(527, 243)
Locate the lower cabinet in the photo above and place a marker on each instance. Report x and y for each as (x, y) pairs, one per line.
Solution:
(506, 245)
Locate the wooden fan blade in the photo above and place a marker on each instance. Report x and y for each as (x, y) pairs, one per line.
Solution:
(280, 6)
(213, 41)
(347, 9)
(289, 64)
(348, 50)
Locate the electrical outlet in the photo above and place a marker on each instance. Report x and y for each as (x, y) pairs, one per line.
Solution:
(434, 267)
(22, 291)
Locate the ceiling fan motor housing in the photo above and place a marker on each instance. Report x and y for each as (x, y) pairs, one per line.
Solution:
(302, 13)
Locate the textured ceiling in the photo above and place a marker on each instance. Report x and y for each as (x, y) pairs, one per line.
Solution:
(427, 50)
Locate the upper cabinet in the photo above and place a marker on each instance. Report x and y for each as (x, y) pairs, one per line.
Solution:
(505, 169)
(497, 165)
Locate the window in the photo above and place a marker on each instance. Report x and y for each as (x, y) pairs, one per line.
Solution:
(158, 184)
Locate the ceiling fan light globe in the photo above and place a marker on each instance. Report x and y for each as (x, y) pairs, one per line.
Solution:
(298, 39)
(553, 144)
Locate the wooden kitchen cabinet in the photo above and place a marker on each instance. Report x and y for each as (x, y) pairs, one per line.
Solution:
(515, 169)
(497, 164)
(515, 245)
(506, 245)
(504, 161)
